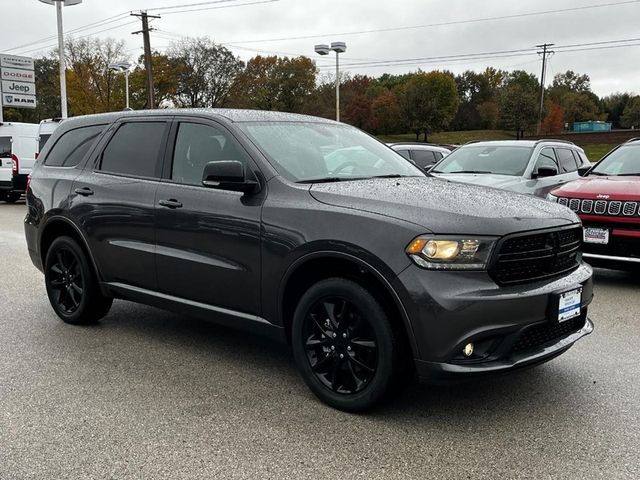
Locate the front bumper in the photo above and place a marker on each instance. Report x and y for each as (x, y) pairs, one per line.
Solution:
(511, 327)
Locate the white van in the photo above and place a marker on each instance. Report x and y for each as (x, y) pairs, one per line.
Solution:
(18, 147)
(47, 127)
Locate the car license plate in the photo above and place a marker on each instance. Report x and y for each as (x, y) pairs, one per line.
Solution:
(570, 304)
(596, 235)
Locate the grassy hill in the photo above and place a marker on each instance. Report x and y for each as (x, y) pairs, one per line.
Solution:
(594, 151)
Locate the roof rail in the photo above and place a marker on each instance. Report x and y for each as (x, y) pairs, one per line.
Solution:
(634, 139)
(554, 140)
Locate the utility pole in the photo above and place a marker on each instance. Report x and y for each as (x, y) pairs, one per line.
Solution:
(147, 53)
(545, 52)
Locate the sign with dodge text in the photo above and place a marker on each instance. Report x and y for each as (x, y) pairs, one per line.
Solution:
(18, 82)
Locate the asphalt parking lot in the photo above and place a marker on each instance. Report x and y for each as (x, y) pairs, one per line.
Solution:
(149, 394)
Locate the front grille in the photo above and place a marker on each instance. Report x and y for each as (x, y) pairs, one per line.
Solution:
(601, 207)
(529, 257)
(614, 208)
(547, 333)
(574, 204)
(587, 206)
(629, 208)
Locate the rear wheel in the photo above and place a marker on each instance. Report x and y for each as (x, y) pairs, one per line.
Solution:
(72, 285)
(12, 197)
(344, 345)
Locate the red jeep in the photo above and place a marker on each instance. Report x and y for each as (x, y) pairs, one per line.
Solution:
(607, 200)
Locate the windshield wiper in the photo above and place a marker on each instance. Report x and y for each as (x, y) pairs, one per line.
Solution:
(331, 179)
(468, 171)
(627, 175)
(600, 174)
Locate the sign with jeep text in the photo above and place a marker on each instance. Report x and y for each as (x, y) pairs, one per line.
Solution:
(18, 82)
(19, 88)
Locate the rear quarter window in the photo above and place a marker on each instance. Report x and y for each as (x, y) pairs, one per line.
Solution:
(72, 146)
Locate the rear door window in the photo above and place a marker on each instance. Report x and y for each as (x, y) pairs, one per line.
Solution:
(134, 150)
(72, 146)
(567, 162)
(5, 147)
(423, 158)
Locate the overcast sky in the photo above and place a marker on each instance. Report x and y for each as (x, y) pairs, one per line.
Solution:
(261, 26)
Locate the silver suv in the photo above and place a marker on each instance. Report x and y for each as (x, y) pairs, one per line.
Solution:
(533, 167)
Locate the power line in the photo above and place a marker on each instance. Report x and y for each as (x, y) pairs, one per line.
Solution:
(495, 54)
(186, 5)
(258, 2)
(79, 29)
(442, 24)
(82, 36)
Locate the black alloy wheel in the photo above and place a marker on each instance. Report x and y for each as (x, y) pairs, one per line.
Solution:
(71, 284)
(66, 281)
(341, 345)
(346, 349)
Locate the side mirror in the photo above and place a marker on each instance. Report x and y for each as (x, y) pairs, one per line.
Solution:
(545, 171)
(582, 171)
(228, 175)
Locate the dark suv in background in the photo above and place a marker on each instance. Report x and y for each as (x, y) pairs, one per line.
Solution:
(311, 231)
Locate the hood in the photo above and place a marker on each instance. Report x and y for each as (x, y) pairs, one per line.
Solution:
(601, 188)
(505, 182)
(445, 207)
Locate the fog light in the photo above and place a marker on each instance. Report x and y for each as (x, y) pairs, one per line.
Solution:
(467, 351)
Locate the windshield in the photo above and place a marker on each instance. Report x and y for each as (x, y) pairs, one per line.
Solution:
(5, 147)
(501, 160)
(622, 161)
(309, 152)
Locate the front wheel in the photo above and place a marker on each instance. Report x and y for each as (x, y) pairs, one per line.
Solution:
(72, 285)
(344, 345)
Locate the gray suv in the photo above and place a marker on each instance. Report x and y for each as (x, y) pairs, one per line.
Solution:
(533, 167)
(310, 231)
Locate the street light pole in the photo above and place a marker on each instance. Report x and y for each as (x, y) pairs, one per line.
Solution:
(61, 58)
(338, 47)
(124, 67)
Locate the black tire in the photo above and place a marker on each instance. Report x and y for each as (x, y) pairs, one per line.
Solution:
(344, 345)
(12, 197)
(72, 285)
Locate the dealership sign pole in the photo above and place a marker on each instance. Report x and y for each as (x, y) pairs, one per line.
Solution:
(18, 82)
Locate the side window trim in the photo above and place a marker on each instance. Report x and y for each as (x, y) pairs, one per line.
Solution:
(111, 132)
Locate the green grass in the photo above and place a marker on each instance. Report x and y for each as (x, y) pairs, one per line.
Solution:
(594, 151)
(597, 150)
(452, 137)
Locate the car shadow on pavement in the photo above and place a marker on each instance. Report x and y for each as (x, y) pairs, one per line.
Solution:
(616, 278)
(268, 367)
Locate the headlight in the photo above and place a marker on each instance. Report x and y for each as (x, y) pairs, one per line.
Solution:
(552, 198)
(451, 252)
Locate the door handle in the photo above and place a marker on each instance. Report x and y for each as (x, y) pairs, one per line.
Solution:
(84, 191)
(171, 203)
